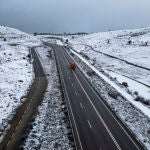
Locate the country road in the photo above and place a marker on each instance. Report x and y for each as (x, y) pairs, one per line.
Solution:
(25, 112)
(94, 125)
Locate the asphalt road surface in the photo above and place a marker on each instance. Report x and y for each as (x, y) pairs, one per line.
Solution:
(94, 125)
(24, 113)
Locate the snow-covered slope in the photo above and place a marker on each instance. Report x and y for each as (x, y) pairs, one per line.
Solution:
(124, 55)
(16, 71)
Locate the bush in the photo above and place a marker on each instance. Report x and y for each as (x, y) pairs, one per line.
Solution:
(136, 93)
(146, 43)
(146, 102)
(113, 94)
(148, 131)
(35, 34)
(108, 41)
(125, 84)
(29, 56)
(90, 73)
(72, 54)
(129, 42)
(142, 100)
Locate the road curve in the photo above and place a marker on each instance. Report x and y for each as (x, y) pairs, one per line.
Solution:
(95, 126)
(25, 112)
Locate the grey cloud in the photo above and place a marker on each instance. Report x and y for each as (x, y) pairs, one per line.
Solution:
(74, 15)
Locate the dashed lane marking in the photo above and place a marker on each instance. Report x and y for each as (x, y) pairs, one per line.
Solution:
(81, 105)
(89, 124)
(76, 93)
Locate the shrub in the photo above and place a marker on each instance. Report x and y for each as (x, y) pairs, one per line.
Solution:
(139, 98)
(90, 73)
(146, 102)
(135, 93)
(72, 54)
(148, 131)
(113, 94)
(146, 43)
(108, 41)
(35, 34)
(29, 56)
(142, 100)
(125, 84)
(129, 42)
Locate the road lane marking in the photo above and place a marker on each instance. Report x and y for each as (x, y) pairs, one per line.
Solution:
(109, 111)
(81, 105)
(89, 124)
(20, 121)
(76, 93)
(72, 84)
(8, 142)
(103, 122)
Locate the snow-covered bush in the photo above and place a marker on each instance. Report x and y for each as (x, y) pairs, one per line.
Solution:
(113, 94)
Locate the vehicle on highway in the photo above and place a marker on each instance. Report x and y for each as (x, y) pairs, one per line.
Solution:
(73, 65)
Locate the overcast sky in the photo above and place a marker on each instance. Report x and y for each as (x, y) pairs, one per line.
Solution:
(60, 16)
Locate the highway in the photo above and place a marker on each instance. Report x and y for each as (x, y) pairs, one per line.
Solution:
(94, 125)
(24, 113)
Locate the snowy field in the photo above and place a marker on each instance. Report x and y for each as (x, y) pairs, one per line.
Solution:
(123, 55)
(16, 72)
(49, 129)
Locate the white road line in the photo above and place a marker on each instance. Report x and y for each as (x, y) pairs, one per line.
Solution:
(89, 124)
(81, 105)
(111, 114)
(71, 111)
(8, 142)
(76, 93)
(103, 122)
(72, 84)
(19, 122)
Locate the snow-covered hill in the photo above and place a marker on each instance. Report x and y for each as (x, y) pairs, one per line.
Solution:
(124, 55)
(16, 72)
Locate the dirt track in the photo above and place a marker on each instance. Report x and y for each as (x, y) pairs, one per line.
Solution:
(25, 112)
